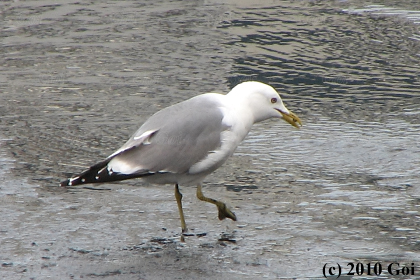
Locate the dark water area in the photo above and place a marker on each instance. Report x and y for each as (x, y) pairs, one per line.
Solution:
(78, 77)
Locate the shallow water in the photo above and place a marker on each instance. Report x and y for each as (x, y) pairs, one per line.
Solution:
(76, 79)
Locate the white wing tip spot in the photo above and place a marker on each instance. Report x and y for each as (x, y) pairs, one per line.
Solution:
(71, 180)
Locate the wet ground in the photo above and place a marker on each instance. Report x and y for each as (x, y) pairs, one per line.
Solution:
(78, 77)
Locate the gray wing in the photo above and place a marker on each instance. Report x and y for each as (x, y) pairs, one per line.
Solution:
(173, 139)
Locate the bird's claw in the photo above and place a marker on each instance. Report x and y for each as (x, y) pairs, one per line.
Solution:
(224, 212)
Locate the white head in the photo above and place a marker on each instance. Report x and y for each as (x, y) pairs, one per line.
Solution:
(263, 102)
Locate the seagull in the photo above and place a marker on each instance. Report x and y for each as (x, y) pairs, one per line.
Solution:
(185, 142)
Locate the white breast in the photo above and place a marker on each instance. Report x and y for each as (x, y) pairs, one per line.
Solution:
(237, 127)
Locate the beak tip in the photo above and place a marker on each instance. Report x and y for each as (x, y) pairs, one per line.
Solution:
(292, 119)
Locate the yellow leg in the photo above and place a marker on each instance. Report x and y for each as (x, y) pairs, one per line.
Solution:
(224, 212)
(178, 197)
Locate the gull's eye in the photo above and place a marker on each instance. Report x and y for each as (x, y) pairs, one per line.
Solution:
(273, 100)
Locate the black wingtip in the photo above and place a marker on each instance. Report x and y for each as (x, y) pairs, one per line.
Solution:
(65, 183)
(98, 173)
(88, 176)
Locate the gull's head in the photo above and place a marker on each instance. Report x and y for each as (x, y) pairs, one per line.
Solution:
(263, 102)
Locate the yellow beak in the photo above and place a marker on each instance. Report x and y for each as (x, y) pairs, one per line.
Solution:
(292, 119)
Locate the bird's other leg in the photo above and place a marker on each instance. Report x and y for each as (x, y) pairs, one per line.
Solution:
(224, 212)
(178, 197)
